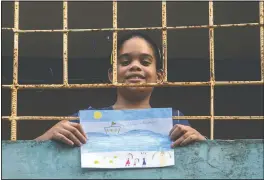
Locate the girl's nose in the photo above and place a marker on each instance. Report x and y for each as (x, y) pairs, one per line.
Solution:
(135, 66)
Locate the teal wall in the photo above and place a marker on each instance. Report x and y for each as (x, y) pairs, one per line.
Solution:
(210, 159)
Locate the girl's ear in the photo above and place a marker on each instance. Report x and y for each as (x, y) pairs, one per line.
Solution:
(110, 75)
(160, 76)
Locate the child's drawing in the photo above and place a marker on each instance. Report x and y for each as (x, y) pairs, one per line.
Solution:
(136, 162)
(130, 156)
(144, 163)
(113, 129)
(162, 156)
(127, 138)
(96, 162)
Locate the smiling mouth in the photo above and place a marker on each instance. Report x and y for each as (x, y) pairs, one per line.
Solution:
(135, 78)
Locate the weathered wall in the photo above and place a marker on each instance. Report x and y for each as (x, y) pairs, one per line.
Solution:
(210, 159)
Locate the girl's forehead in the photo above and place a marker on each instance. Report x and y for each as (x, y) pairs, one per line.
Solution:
(136, 44)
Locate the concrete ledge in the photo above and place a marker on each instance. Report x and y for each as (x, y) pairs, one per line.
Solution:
(210, 159)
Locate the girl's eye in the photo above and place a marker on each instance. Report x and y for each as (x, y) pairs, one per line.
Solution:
(145, 62)
(124, 62)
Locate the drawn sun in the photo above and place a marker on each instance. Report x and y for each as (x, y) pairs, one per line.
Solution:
(97, 115)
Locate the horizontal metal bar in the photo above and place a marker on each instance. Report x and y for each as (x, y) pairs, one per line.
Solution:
(238, 117)
(40, 118)
(134, 29)
(221, 83)
(7, 28)
(108, 85)
(174, 117)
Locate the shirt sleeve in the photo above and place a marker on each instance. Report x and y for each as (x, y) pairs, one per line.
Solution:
(77, 114)
(179, 121)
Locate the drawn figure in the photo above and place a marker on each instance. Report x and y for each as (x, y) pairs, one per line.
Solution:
(143, 155)
(162, 157)
(136, 161)
(165, 153)
(130, 155)
(128, 161)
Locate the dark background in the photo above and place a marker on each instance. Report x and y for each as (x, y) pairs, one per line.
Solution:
(237, 57)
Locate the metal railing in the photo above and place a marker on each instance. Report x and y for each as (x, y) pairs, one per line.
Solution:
(212, 83)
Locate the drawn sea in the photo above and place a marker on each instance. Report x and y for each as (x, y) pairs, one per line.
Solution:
(134, 140)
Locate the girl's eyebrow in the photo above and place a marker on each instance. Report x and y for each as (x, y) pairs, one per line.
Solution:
(123, 55)
(130, 54)
(146, 55)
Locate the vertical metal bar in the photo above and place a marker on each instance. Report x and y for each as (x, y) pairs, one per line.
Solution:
(114, 42)
(13, 115)
(65, 43)
(15, 75)
(164, 40)
(261, 20)
(212, 70)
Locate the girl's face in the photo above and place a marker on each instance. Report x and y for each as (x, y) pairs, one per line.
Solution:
(136, 63)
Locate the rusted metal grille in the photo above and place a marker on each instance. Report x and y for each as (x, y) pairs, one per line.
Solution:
(212, 83)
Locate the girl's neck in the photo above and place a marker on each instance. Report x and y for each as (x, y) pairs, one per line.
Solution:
(131, 103)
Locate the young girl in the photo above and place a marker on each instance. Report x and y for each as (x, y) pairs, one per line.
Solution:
(138, 61)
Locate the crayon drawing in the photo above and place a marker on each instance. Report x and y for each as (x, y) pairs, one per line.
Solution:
(127, 138)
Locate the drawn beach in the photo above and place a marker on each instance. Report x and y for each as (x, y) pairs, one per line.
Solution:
(131, 149)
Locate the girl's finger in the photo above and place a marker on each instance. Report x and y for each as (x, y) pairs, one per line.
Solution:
(71, 136)
(192, 138)
(76, 132)
(178, 131)
(181, 139)
(62, 138)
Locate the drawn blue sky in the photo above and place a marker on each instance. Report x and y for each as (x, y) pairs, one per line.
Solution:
(130, 114)
(156, 119)
(161, 125)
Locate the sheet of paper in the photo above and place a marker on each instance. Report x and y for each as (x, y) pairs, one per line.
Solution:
(127, 138)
